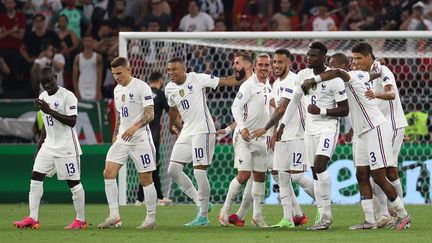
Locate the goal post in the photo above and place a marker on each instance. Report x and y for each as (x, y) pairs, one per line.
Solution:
(407, 53)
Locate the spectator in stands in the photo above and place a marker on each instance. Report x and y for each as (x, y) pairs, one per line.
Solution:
(323, 21)
(163, 19)
(76, 18)
(243, 24)
(417, 20)
(4, 73)
(419, 127)
(214, 8)
(119, 13)
(220, 25)
(87, 8)
(286, 19)
(49, 9)
(29, 10)
(87, 72)
(196, 20)
(137, 9)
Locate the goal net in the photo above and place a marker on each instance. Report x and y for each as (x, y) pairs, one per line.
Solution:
(407, 54)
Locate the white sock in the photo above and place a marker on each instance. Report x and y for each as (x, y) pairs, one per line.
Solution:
(398, 186)
(381, 199)
(305, 182)
(35, 195)
(258, 193)
(324, 183)
(203, 190)
(78, 198)
(112, 195)
(367, 206)
(286, 194)
(246, 200)
(233, 190)
(275, 178)
(150, 198)
(317, 197)
(175, 171)
(398, 206)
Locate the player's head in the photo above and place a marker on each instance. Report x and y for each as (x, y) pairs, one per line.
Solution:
(281, 62)
(48, 80)
(362, 56)
(262, 66)
(156, 78)
(242, 64)
(121, 70)
(316, 54)
(339, 60)
(176, 70)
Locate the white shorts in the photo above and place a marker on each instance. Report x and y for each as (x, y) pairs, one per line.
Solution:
(397, 141)
(198, 149)
(373, 148)
(290, 155)
(143, 155)
(67, 168)
(322, 144)
(250, 156)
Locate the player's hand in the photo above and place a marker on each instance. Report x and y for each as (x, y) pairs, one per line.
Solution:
(128, 134)
(370, 94)
(313, 109)
(376, 67)
(272, 143)
(258, 133)
(349, 135)
(174, 131)
(278, 134)
(221, 133)
(406, 138)
(245, 135)
(308, 84)
(42, 105)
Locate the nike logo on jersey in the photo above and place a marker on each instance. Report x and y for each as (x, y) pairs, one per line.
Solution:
(323, 86)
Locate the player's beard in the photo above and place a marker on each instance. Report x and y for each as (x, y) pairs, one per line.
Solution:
(241, 74)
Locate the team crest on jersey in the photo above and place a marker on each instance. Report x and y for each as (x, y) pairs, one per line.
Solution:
(360, 76)
(123, 98)
(182, 92)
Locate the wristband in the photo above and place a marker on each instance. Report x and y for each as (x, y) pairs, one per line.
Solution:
(317, 78)
(228, 130)
(323, 111)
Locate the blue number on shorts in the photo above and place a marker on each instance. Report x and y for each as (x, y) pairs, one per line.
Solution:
(145, 159)
(50, 120)
(326, 143)
(125, 112)
(184, 104)
(313, 100)
(70, 168)
(373, 158)
(297, 161)
(199, 153)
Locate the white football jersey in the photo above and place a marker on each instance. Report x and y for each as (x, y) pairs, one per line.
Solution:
(130, 101)
(284, 89)
(392, 109)
(363, 113)
(325, 96)
(268, 97)
(61, 140)
(250, 107)
(191, 101)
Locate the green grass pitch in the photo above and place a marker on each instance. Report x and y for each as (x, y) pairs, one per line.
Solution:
(170, 219)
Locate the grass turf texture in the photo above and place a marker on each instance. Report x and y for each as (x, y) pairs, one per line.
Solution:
(170, 220)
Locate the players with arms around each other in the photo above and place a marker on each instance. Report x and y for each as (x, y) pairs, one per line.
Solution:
(384, 90)
(186, 96)
(289, 151)
(58, 149)
(131, 139)
(327, 103)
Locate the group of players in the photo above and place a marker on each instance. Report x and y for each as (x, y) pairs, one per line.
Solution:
(308, 106)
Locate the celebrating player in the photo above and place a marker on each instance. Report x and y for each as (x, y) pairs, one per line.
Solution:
(58, 149)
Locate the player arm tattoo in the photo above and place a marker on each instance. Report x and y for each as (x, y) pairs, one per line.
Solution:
(278, 113)
(117, 125)
(340, 111)
(147, 117)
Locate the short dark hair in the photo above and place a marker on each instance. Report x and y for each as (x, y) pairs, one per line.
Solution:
(340, 58)
(39, 16)
(176, 59)
(245, 57)
(319, 46)
(283, 51)
(46, 72)
(363, 48)
(198, 3)
(154, 77)
(119, 62)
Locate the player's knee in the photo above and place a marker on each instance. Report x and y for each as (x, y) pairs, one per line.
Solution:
(392, 174)
(174, 169)
(242, 178)
(362, 176)
(72, 183)
(146, 178)
(37, 176)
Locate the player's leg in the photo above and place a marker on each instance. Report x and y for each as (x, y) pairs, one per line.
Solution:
(156, 178)
(259, 168)
(238, 219)
(311, 145)
(392, 170)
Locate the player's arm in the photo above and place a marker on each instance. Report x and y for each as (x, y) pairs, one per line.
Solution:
(229, 81)
(41, 139)
(237, 110)
(65, 119)
(388, 94)
(274, 119)
(144, 119)
(116, 126)
(175, 125)
(221, 133)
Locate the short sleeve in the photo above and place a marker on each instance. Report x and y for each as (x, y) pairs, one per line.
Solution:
(242, 96)
(146, 95)
(387, 78)
(339, 90)
(71, 104)
(169, 97)
(206, 80)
